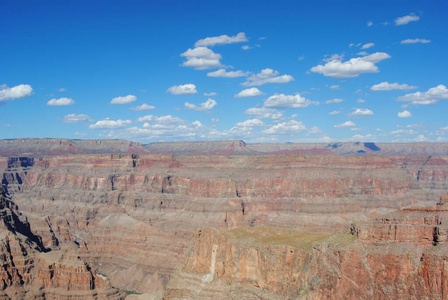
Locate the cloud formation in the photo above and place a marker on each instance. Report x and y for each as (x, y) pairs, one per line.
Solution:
(207, 105)
(432, 96)
(267, 76)
(184, 89)
(360, 112)
(225, 74)
(289, 127)
(404, 114)
(110, 124)
(250, 92)
(221, 40)
(415, 41)
(61, 102)
(345, 124)
(406, 19)
(143, 107)
(367, 46)
(288, 101)
(123, 100)
(264, 113)
(351, 68)
(386, 86)
(337, 100)
(73, 118)
(201, 58)
(16, 92)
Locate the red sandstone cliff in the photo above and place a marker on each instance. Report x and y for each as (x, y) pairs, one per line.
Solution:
(133, 216)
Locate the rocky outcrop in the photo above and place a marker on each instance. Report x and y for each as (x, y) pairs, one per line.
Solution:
(29, 270)
(273, 263)
(134, 215)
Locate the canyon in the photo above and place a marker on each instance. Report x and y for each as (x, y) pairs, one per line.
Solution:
(109, 219)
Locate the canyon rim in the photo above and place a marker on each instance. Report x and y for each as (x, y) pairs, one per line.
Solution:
(114, 219)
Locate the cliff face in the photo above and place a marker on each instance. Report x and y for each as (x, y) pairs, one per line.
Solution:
(273, 263)
(134, 215)
(29, 270)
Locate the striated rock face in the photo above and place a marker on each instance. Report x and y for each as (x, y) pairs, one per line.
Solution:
(134, 215)
(274, 263)
(29, 270)
(45, 147)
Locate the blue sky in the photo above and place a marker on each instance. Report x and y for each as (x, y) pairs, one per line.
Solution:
(261, 71)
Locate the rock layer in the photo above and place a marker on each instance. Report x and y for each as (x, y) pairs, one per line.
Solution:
(134, 215)
(273, 263)
(29, 270)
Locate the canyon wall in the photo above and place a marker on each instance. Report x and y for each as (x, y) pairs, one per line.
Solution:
(402, 255)
(133, 215)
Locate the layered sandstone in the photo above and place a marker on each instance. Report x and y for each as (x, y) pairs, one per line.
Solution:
(133, 216)
(29, 270)
(274, 263)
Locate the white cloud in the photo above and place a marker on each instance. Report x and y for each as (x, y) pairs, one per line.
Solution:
(361, 101)
(123, 100)
(415, 41)
(16, 92)
(289, 127)
(143, 107)
(251, 92)
(337, 100)
(335, 112)
(210, 94)
(367, 46)
(164, 128)
(73, 118)
(351, 68)
(110, 124)
(185, 89)
(207, 105)
(264, 113)
(62, 90)
(169, 120)
(403, 132)
(246, 47)
(386, 86)
(360, 112)
(221, 40)
(363, 138)
(230, 74)
(404, 114)
(147, 118)
(249, 124)
(442, 131)
(345, 124)
(267, 76)
(61, 102)
(335, 87)
(288, 101)
(369, 23)
(201, 58)
(406, 19)
(432, 96)
(328, 58)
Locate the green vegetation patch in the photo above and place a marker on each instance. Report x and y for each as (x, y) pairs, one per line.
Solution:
(271, 236)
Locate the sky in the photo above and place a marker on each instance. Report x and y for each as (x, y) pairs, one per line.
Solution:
(261, 71)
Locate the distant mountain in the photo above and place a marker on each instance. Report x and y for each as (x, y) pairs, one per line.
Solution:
(50, 147)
